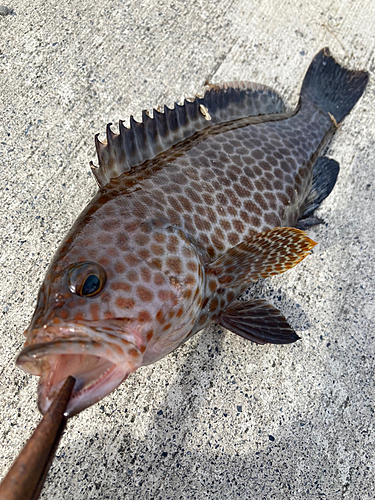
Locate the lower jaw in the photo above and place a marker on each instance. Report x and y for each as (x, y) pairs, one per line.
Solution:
(82, 397)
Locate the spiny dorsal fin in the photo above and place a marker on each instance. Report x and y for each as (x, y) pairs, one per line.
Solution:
(143, 141)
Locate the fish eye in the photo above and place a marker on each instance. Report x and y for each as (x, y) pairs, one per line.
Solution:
(86, 279)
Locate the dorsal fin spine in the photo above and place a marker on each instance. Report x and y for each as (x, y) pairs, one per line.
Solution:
(143, 141)
(129, 144)
(110, 136)
(151, 133)
(138, 139)
(122, 140)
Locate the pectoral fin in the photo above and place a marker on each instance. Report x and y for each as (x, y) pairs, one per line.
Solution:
(264, 254)
(259, 322)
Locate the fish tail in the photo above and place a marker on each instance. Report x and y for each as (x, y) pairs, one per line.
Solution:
(331, 87)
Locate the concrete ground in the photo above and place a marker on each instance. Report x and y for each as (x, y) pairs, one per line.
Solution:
(220, 418)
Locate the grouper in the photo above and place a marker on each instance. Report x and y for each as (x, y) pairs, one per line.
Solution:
(195, 203)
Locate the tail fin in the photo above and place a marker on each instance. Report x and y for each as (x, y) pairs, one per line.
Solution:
(331, 87)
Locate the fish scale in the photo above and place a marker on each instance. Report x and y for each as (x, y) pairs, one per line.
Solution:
(193, 205)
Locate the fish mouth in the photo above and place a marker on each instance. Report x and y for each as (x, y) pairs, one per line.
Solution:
(98, 367)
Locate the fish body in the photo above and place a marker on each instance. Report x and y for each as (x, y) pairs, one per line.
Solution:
(193, 206)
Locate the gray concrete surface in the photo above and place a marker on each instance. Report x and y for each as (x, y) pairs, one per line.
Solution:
(220, 418)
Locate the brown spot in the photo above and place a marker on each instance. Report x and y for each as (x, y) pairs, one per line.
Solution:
(260, 201)
(144, 294)
(159, 237)
(141, 239)
(118, 349)
(112, 252)
(241, 191)
(211, 251)
(119, 285)
(157, 263)
(172, 244)
(149, 335)
(212, 285)
(145, 274)
(122, 242)
(245, 217)
(132, 276)
(204, 303)
(167, 327)
(200, 223)
(105, 239)
(174, 264)
(187, 252)
(233, 238)
(192, 266)
(160, 316)
(131, 259)
(125, 303)
(232, 211)
(190, 280)
(211, 214)
(165, 296)
(94, 309)
(64, 314)
(104, 261)
(185, 203)
(180, 312)
(250, 207)
(157, 249)
(142, 349)
(203, 239)
(119, 268)
(159, 279)
(225, 224)
(79, 316)
(108, 315)
(144, 254)
(133, 353)
(144, 317)
(213, 304)
(86, 242)
(202, 319)
(255, 221)
(238, 226)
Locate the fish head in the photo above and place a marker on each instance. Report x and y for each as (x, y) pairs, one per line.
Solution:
(105, 303)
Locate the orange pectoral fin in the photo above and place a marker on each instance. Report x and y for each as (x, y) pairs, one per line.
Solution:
(263, 255)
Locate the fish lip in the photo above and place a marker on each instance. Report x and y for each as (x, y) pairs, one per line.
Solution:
(74, 338)
(106, 353)
(82, 399)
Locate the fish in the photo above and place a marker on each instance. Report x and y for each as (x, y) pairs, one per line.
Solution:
(195, 204)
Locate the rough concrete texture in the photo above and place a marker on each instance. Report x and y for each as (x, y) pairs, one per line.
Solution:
(220, 417)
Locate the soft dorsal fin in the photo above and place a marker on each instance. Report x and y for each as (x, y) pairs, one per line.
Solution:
(143, 141)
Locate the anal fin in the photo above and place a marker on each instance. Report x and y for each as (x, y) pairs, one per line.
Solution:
(258, 321)
(325, 172)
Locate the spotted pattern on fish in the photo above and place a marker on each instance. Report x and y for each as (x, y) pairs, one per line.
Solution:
(204, 201)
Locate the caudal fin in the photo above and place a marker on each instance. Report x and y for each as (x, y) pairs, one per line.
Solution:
(331, 87)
